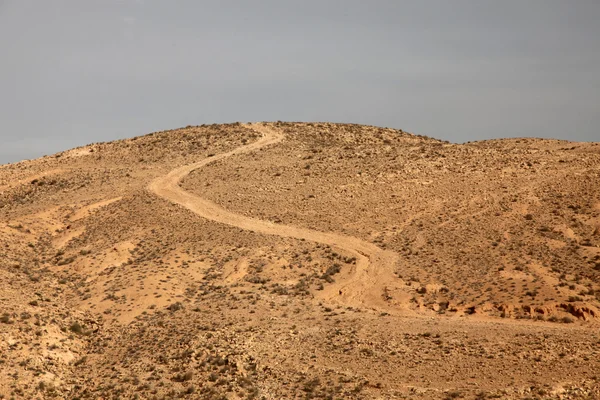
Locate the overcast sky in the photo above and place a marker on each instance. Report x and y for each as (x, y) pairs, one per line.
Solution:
(82, 71)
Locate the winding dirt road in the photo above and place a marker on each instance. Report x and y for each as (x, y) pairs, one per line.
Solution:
(363, 286)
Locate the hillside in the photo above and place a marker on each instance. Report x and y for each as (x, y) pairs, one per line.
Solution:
(301, 260)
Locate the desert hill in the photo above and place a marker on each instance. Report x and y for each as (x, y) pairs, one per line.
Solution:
(301, 260)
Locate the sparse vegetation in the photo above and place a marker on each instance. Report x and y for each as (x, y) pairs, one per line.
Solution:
(114, 292)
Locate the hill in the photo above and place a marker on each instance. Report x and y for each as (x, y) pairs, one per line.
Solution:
(301, 260)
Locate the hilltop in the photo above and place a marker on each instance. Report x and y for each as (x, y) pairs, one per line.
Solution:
(301, 260)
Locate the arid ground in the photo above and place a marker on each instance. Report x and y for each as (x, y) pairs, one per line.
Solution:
(301, 261)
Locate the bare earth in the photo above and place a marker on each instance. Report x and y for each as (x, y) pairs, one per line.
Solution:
(297, 260)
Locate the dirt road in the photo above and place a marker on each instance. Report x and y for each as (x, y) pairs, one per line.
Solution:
(371, 274)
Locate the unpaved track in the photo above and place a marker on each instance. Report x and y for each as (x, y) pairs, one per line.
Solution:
(374, 267)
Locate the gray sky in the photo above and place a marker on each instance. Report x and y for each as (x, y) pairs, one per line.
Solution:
(82, 71)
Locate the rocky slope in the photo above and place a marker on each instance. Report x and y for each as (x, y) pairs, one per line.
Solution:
(109, 291)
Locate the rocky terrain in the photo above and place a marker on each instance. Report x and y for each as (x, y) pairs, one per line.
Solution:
(296, 260)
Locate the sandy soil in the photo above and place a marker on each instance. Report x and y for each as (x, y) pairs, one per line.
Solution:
(297, 260)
